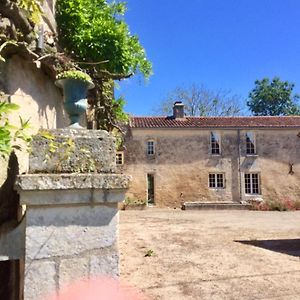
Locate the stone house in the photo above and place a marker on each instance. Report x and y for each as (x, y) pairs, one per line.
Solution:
(180, 159)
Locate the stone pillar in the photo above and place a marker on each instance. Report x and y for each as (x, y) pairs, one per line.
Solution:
(71, 217)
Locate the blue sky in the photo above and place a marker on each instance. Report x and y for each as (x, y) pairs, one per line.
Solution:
(221, 44)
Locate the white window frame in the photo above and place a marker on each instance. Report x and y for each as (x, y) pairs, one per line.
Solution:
(217, 137)
(252, 141)
(118, 155)
(250, 190)
(215, 180)
(150, 147)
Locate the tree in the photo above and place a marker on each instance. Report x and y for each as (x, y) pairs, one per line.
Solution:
(94, 33)
(273, 98)
(201, 101)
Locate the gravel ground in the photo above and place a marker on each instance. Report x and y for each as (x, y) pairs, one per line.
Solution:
(211, 254)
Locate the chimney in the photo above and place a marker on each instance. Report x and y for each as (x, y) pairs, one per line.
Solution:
(178, 110)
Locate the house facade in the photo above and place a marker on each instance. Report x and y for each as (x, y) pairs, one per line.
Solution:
(179, 159)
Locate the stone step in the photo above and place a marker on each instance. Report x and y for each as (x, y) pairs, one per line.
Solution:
(214, 205)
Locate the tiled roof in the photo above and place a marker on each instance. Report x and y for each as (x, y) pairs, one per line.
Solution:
(215, 122)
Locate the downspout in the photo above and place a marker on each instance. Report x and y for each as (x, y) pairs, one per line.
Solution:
(239, 164)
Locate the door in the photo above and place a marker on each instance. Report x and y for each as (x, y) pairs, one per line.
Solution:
(150, 181)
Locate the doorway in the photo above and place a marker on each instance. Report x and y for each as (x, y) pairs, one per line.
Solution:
(150, 184)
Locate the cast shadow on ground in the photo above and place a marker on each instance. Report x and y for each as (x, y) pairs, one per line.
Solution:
(286, 246)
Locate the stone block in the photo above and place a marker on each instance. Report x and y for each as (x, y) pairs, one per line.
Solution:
(60, 231)
(72, 270)
(12, 242)
(72, 150)
(38, 182)
(40, 279)
(69, 197)
(105, 264)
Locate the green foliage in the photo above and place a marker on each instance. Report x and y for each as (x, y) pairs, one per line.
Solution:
(119, 138)
(32, 8)
(11, 136)
(273, 98)
(87, 162)
(149, 253)
(108, 112)
(94, 31)
(118, 109)
(60, 150)
(74, 74)
(133, 201)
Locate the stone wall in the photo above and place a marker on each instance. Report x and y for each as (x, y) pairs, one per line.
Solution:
(71, 216)
(67, 243)
(39, 99)
(28, 86)
(182, 163)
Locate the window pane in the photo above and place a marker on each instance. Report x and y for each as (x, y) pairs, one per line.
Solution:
(212, 180)
(215, 143)
(250, 144)
(252, 183)
(150, 147)
(247, 184)
(255, 184)
(216, 180)
(220, 183)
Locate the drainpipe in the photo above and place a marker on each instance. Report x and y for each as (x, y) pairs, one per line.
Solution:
(239, 163)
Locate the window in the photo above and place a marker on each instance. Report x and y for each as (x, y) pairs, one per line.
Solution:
(150, 147)
(252, 183)
(119, 158)
(215, 143)
(250, 143)
(216, 180)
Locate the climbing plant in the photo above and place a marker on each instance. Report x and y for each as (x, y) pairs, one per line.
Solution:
(92, 37)
(94, 33)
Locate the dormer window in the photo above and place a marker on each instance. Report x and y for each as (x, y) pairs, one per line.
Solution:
(215, 143)
(150, 148)
(250, 143)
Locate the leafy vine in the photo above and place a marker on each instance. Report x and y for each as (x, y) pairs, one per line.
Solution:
(92, 37)
(95, 34)
(11, 137)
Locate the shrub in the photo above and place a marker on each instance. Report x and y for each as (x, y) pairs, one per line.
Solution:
(285, 204)
(74, 74)
(132, 201)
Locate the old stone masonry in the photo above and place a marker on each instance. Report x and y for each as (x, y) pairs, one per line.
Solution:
(70, 211)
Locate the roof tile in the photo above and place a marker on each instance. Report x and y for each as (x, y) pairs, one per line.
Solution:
(216, 122)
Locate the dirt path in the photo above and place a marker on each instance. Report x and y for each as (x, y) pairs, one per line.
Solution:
(197, 254)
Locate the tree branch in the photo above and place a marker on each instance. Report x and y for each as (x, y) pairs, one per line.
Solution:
(11, 11)
(106, 74)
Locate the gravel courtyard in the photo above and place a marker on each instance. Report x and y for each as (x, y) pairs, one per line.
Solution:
(211, 254)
